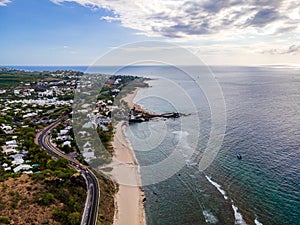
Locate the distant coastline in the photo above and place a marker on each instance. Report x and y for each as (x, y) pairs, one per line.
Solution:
(113, 69)
(47, 68)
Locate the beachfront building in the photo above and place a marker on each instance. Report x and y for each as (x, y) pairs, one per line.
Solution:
(88, 154)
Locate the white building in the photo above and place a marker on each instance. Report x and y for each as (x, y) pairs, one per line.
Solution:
(22, 167)
(29, 115)
(7, 169)
(63, 132)
(47, 93)
(68, 143)
(17, 92)
(88, 155)
(13, 142)
(7, 129)
(62, 138)
(6, 150)
(28, 172)
(84, 134)
(17, 162)
(87, 145)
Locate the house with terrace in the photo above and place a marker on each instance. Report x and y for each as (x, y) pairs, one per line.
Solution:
(7, 129)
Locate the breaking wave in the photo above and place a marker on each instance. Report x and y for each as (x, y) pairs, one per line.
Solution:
(209, 217)
(216, 185)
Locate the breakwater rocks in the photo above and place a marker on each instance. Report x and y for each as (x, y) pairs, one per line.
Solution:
(137, 115)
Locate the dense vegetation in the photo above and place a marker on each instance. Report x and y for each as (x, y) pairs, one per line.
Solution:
(53, 198)
(54, 193)
(106, 207)
(63, 186)
(13, 79)
(60, 188)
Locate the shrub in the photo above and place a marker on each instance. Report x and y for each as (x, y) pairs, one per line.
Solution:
(4, 219)
(74, 218)
(47, 199)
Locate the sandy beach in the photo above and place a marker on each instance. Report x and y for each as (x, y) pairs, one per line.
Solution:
(129, 199)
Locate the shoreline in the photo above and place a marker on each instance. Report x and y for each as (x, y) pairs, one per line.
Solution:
(129, 207)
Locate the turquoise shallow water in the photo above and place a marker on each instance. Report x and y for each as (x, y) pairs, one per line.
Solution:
(262, 106)
(263, 124)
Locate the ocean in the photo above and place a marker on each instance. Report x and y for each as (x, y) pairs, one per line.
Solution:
(262, 123)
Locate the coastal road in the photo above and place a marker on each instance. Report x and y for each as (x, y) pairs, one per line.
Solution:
(90, 213)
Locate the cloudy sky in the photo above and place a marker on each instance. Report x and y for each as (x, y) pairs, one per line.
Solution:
(77, 32)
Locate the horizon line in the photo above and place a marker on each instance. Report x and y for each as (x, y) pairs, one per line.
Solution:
(225, 65)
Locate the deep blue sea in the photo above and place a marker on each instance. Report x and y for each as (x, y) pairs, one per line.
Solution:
(47, 68)
(262, 124)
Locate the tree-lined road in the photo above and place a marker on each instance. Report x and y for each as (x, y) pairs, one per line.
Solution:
(90, 213)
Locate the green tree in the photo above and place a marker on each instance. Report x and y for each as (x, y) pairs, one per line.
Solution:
(8, 118)
(61, 163)
(4, 219)
(2, 141)
(47, 199)
(27, 120)
(66, 148)
(28, 143)
(74, 218)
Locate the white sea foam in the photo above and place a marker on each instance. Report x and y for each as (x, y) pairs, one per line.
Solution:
(190, 163)
(181, 133)
(209, 217)
(183, 145)
(257, 222)
(238, 217)
(216, 185)
(192, 176)
(181, 137)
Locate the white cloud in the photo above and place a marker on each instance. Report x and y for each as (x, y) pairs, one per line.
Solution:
(4, 2)
(217, 23)
(183, 19)
(293, 50)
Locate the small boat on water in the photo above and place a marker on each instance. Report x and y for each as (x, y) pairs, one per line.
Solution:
(238, 155)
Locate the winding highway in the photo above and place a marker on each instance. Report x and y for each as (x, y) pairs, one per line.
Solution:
(90, 213)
